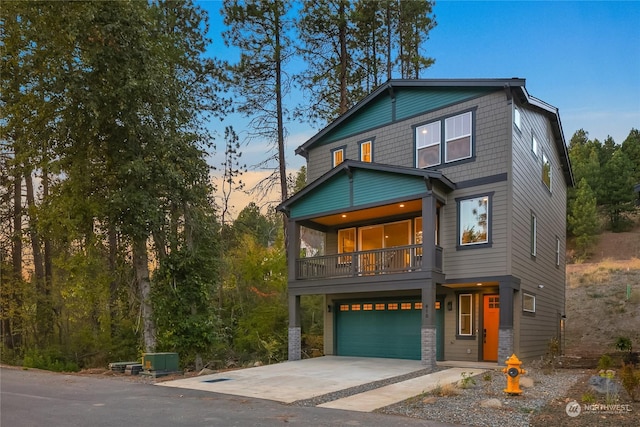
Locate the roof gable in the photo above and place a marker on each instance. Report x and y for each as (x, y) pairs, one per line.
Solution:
(354, 184)
(400, 99)
(402, 104)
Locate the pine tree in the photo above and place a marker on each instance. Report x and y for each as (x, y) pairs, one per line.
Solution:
(618, 197)
(582, 220)
(631, 147)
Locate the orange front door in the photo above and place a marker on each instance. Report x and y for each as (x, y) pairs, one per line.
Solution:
(490, 319)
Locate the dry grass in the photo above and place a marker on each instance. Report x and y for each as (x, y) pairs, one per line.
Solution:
(600, 307)
(603, 272)
(446, 390)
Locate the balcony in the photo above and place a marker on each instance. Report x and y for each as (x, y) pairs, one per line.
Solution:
(395, 260)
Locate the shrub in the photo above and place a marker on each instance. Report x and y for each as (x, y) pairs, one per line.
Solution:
(630, 379)
(588, 397)
(50, 360)
(446, 390)
(467, 380)
(605, 362)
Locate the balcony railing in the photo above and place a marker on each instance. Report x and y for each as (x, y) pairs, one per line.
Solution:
(399, 259)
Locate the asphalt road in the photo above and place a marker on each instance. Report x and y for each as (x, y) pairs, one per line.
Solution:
(39, 398)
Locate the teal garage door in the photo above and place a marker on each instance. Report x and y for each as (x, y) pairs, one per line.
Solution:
(379, 329)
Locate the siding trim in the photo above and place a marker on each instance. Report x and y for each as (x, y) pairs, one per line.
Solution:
(485, 180)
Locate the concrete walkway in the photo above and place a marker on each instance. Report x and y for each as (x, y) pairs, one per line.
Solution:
(304, 379)
(378, 398)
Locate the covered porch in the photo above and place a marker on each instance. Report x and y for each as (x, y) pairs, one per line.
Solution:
(366, 228)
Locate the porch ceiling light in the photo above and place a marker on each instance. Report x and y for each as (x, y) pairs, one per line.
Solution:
(402, 205)
(344, 215)
(478, 284)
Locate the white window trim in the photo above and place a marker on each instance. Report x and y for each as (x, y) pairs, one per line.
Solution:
(470, 296)
(470, 135)
(557, 251)
(438, 125)
(333, 156)
(532, 297)
(363, 144)
(534, 235)
(545, 160)
(535, 147)
(516, 117)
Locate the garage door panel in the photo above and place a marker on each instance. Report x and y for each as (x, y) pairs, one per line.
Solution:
(393, 333)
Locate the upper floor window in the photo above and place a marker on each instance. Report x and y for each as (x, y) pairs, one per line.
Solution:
(546, 171)
(346, 243)
(366, 151)
(457, 132)
(428, 144)
(346, 240)
(337, 156)
(458, 137)
(516, 117)
(557, 251)
(474, 220)
(534, 145)
(418, 229)
(534, 235)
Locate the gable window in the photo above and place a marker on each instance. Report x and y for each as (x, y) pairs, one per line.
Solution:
(534, 234)
(465, 314)
(428, 145)
(457, 137)
(474, 220)
(516, 117)
(528, 303)
(534, 145)
(366, 151)
(337, 156)
(546, 171)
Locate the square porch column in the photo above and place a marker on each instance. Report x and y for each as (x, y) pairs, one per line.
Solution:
(295, 331)
(505, 329)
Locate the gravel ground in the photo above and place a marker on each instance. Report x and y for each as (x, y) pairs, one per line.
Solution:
(463, 406)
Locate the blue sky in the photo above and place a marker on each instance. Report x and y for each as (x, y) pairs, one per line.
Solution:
(582, 57)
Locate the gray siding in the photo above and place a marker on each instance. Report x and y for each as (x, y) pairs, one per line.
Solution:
(394, 144)
(500, 149)
(460, 349)
(529, 195)
(476, 261)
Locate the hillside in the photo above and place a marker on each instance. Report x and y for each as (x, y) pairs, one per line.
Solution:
(598, 306)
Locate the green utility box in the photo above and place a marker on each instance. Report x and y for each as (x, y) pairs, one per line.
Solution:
(160, 362)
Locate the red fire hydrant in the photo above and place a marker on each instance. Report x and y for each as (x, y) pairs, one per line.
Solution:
(513, 371)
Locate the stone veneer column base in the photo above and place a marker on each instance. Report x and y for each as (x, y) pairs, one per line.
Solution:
(295, 342)
(505, 344)
(429, 347)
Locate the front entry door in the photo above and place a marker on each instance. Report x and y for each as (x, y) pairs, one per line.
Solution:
(491, 320)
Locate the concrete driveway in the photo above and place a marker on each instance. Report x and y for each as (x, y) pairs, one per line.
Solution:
(300, 380)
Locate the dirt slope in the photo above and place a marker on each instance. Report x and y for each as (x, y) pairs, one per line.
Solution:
(603, 296)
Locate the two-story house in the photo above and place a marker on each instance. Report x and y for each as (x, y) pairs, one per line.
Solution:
(440, 207)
